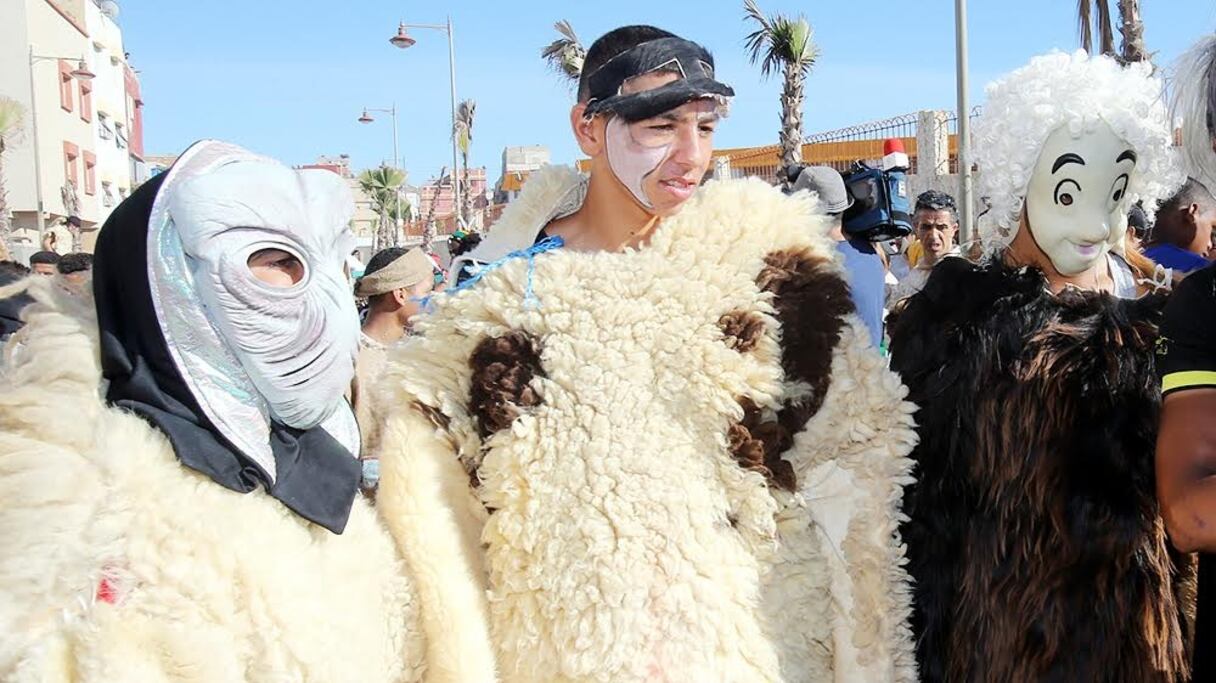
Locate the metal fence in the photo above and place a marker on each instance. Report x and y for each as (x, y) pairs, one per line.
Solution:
(838, 148)
(841, 147)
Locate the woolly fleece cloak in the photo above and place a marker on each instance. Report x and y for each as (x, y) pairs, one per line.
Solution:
(681, 462)
(119, 564)
(1035, 542)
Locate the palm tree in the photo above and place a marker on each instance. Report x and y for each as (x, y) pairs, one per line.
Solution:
(463, 132)
(12, 116)
(1132, 28)
(566, 54)
(383, 186)
(428, 223)
(1095, 16)
(785, 43)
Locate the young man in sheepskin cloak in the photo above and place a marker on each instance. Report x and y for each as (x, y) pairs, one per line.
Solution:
(178, 481)
(660, 433)
(1035, 541)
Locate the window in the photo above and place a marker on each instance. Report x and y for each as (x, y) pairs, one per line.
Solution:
(65, 85)
(86, 101)
(70, 153)
(104, 129)
(120, 136)
(90, 173)
(107, 193)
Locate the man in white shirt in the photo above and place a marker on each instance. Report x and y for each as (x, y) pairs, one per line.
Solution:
(935, 220)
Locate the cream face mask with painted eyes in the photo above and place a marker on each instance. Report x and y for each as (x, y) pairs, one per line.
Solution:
(1076, 203)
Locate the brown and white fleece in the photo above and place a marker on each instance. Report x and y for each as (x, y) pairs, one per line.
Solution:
(679, 462)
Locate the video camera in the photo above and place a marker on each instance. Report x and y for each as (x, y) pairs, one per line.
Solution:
(881, 209)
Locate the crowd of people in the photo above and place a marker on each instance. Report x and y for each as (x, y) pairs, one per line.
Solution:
(643, 429)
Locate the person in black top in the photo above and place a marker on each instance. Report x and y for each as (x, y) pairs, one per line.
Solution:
(1186, 443)
(1186, 363)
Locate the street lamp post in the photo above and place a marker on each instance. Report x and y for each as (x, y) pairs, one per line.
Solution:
(392, 111)
(964, 121)
(367, 118)
(403, 40)
(80, 73)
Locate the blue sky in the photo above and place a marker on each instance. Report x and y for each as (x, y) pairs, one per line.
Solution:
(288, 79)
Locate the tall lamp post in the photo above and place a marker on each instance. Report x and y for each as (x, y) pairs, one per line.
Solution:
(368, 118)
(964, 121)
(80, 73)
(403, 40)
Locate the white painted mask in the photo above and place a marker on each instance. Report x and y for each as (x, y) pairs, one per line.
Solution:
(251, 352)
(1076, 203)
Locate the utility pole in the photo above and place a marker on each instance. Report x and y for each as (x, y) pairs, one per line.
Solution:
(964, 123)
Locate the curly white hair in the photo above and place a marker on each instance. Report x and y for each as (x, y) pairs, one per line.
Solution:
(1194, 102)
(1078, 91)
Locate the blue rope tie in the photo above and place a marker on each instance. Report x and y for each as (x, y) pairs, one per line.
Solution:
(530, 253)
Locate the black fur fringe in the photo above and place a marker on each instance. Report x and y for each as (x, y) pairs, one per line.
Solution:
(1034, 538)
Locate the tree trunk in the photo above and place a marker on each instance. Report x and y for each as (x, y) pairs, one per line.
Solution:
(71, 204)
(791, 117)
(380, 241)
(1132, 28)
(466, 196)
(428, 236)
(6, 220)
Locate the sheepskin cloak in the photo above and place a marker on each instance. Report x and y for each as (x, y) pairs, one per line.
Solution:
(1035, 542)
(681, 462)
(119, 564)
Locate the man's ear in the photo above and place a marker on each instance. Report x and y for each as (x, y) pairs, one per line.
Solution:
(1192, 213)
(589, 132)
(401, 295)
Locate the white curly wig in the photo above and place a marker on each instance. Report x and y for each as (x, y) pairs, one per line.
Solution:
(1194, 102)
(1077, 91)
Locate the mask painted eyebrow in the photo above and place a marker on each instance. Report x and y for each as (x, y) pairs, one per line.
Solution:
(1068, 158)
(1127, 155)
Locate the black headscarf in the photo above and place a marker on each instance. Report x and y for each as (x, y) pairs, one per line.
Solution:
(316, 477)
(11, 307)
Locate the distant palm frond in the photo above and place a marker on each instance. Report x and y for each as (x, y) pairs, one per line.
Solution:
(12, 120)
(566, 54)
(1087, 22)
(462, 130)
(780, 42)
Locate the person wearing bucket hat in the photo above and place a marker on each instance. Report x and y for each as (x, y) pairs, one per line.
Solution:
(635, 399)
(395, 284)
(180, 473)
(862, 263)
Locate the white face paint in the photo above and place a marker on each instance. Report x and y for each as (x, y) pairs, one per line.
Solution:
(633, 157)
(1076, 202)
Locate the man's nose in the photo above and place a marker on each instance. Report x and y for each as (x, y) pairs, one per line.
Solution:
(688, 148)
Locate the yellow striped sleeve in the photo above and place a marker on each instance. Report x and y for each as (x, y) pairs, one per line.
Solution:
(1188, 379)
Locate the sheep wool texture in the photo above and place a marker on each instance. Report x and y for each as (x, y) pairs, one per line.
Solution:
(1035, 541)
(119, 564)
(679, 462)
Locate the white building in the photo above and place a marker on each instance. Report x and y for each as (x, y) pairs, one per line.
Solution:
(82, 135)
(517, 164)
(113, 179)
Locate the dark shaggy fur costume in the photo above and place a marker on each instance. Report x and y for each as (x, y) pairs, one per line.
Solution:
(1034, 538)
